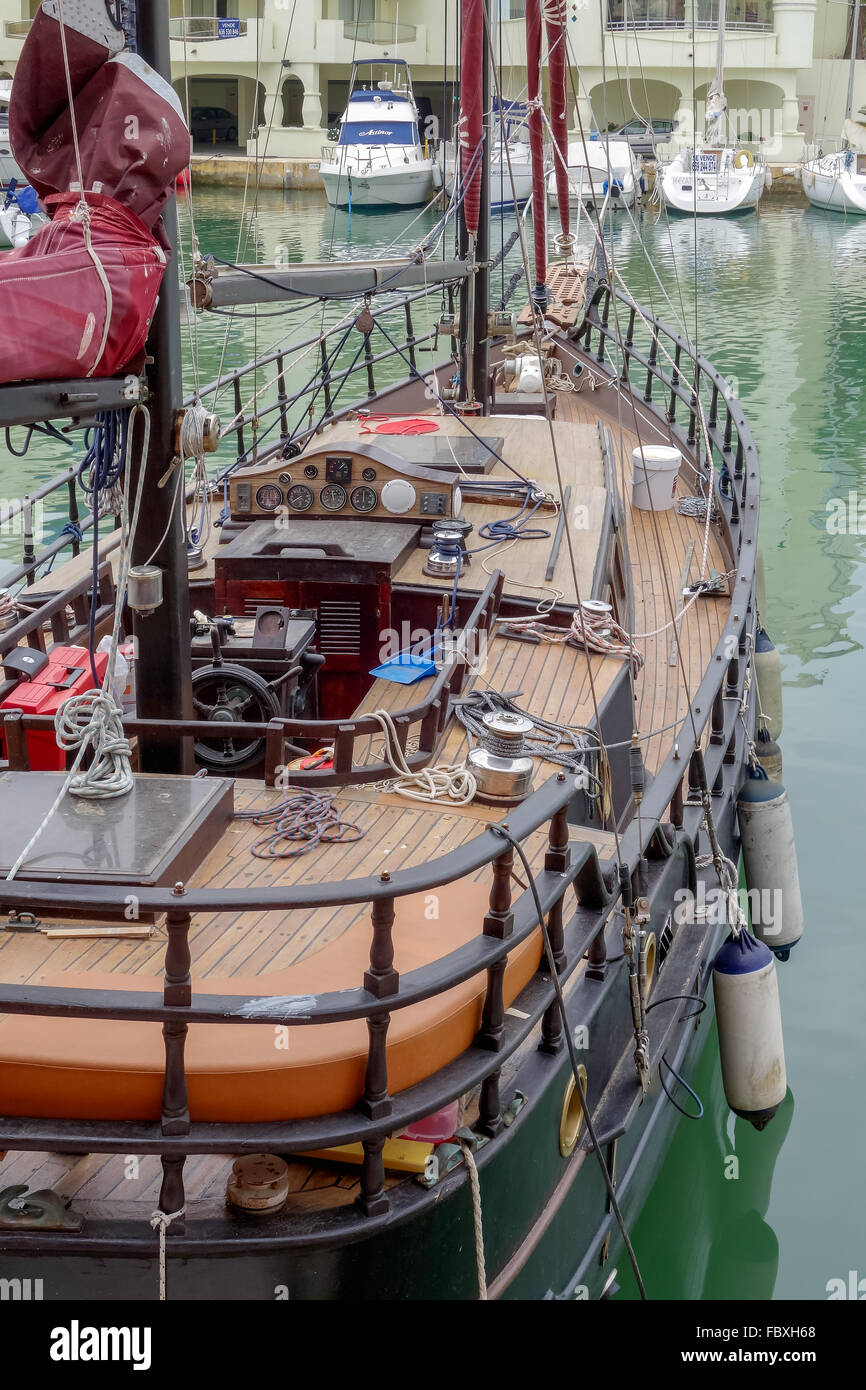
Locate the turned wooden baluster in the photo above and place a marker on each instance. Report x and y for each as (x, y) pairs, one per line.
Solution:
(556, 860)
(499, 923)
(381, 980)
(177, 993)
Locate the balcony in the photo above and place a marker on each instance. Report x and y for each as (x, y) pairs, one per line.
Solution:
(197, 40)
(381, 33)
(204, 28)
(750, 16)
(344, 41)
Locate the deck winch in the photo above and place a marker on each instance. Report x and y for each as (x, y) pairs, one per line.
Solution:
(501, 766)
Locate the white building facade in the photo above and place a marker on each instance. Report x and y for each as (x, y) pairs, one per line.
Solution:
(271, 76)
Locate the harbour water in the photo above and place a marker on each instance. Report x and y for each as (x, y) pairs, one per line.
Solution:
(779, 301)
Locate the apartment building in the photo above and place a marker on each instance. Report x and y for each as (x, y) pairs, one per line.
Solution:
(272, 75)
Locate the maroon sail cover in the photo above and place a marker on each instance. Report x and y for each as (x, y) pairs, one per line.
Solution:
(471, 113)
(81, 305)
(557, 62)
(536, 136)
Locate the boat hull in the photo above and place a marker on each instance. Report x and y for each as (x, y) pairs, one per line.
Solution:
(406, 186)
(829, 186)
(716, 195)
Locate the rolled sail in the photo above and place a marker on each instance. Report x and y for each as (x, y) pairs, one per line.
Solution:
(554, 18)
(83, 291)
(471, 113)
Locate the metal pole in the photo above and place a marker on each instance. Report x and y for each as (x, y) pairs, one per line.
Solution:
(855, 34)
(481, 362)
(164, 668)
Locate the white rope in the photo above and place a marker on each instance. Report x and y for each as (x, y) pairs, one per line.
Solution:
(110, 774)
(593, 632)
(449, 783)
(161, 1220)
(478, 1226)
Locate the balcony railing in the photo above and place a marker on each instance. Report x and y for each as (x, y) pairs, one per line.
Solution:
(199, 29)
(756, 15)
(380, 32)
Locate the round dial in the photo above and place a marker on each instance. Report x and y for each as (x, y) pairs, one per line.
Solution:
(269, 497)
(364, 499)
(369, 475)
(300, 498)
(333, 497)
(285, 478)
(311, 471)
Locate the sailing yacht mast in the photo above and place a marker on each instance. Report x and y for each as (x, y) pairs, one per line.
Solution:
(164, 667)
(855, 30)
(716, 103)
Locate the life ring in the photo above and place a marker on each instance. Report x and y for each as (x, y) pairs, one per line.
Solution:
(743, 159)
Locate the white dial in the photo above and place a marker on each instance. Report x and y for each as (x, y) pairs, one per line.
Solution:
(457, 501)
(398, 496)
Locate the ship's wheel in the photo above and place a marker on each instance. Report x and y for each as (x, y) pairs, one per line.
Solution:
(229, 694)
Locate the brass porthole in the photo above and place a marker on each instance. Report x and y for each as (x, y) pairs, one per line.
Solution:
(649, 951)
(571, 1120)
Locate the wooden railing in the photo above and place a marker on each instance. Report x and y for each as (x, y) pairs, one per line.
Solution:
(704, 764)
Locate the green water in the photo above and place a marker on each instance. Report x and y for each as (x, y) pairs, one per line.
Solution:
(781, 308)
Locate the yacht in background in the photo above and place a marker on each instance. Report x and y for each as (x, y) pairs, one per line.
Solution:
(714, 177)
(379, 159)
(837, 181)
(597, 167)
(510, 157)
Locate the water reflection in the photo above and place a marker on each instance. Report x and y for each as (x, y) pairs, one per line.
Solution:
(704, 1233)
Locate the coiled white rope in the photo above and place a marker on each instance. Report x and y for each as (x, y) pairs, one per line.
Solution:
(478, 1226)
(595, 633)
(449, 783)
(161, 1220)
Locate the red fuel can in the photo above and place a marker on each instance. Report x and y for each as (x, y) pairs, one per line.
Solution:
(68, 673)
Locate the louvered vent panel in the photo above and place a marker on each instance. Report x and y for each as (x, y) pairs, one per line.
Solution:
(339, 628)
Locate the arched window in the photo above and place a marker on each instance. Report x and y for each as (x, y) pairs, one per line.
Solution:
(293, 102)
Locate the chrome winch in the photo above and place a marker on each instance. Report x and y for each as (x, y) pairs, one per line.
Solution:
(502, 767)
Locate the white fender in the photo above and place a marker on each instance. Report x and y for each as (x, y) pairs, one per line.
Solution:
(770, 863)
(749, 1021)
(768, 673)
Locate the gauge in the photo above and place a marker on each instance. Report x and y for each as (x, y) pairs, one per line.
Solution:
(364, 499)
(269, 497)
(338, 469)
(300, 498)
(333, 497)
(311, 471)
(369, 475)
(285, 478)
(457, 501)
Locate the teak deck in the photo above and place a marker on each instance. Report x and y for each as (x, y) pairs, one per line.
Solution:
(552, 681)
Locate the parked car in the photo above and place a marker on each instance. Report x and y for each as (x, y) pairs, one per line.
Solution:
(204, 120)
(644, 136)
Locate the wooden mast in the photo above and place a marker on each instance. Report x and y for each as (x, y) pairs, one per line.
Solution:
(164, 667)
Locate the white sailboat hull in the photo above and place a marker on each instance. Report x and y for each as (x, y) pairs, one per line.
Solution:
(510, 178)
(394, 184)
(591, 190)
(711, 193)
(828, 183)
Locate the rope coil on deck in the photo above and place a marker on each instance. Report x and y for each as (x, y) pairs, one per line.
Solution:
(301, 822)
(594, 633)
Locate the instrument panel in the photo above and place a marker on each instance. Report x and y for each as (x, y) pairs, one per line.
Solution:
(347, 483)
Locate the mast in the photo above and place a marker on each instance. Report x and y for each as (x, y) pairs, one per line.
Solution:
(716, 103)
(481, 382)
(164, 668)
(475, 222)
(855, 33)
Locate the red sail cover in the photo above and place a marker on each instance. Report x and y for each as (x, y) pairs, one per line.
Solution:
(471, 113)
(536, 136)
(557, 61)
(74, 310)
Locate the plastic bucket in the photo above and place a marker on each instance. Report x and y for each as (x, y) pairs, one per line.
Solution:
(654, 479)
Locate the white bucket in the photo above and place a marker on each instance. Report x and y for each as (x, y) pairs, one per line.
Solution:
(654, 480)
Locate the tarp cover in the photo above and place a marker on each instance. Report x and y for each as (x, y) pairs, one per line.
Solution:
(57, 296)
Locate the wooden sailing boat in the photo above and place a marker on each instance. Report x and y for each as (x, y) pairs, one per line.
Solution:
(409, 964)
(837, 180)
(713, 177)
